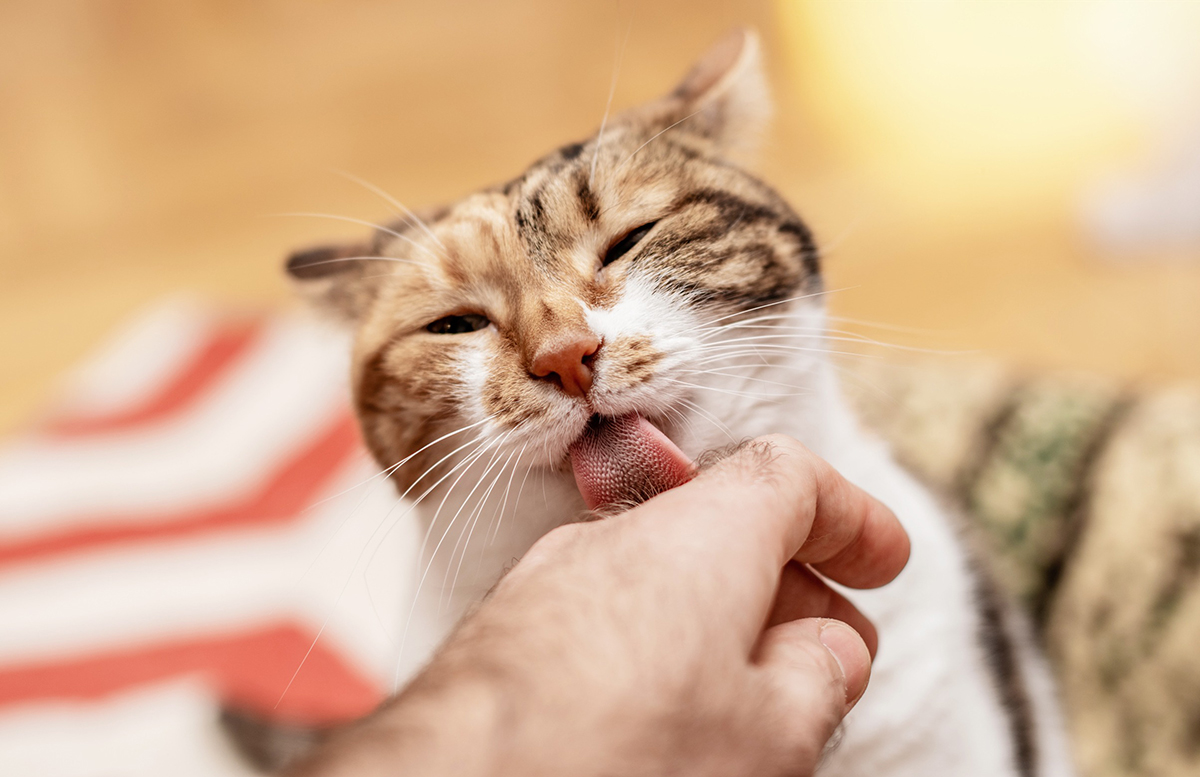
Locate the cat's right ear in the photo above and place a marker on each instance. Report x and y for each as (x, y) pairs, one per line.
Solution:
(724, 98)
(335, 279)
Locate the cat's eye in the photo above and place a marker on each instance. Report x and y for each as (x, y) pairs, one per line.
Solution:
(626, 244)
(457, 325)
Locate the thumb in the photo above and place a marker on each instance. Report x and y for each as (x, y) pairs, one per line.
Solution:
(821, 668)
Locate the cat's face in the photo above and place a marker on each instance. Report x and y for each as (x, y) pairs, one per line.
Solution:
(588, 285)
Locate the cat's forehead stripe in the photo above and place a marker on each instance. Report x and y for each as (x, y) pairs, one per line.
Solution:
(722, 235)
(587, 198)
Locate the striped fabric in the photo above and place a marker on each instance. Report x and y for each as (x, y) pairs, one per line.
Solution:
(199, 568)
(174, 538)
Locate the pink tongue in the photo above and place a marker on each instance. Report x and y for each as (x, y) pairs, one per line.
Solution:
(626, 460)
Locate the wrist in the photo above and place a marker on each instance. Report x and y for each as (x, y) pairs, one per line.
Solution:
(444, 728)
(433, 728)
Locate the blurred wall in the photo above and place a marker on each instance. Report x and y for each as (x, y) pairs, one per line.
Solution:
(938, 151)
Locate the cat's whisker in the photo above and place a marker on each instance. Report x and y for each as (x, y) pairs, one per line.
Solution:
(726, 360)
(385, 473)
(741, 377)
(358, 559)
(818, 333)
(789, 316)
(514, 458)
(473, 520)
(465, 464)
(654, 137)
(517, 503)
(402, 210)
(763, 354)
(474, 457)
(784, 336)
(465, 502)
(747, 395)
(792, 333)
(795, 390)
(730, 392)
(497, 444)
(758, 348)
(424, 268)
(841, 319)
(829, 333)
(499, 516)
(365, 223)
(388, 471)
(480, 445)
(303, 660)
(762, 322)
(821, 338)
(832, 245)
(370, 259)
(349, 577)
(725, 363)
(545, 454)
(785, 301)
(748, 360)
(755, 322)
(612, 90)
(860, 380)
(888, 327)
(708, 416)
(679, 417)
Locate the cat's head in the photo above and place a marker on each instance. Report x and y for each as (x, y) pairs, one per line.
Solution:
(591, 284)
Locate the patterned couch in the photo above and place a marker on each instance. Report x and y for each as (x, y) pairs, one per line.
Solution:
(1086, 495)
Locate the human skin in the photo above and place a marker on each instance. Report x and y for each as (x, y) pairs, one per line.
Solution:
(688, 635)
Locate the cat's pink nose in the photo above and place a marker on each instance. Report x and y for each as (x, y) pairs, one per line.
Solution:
(567, 363)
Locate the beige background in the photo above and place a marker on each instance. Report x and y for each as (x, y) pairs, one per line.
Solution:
(144, 147)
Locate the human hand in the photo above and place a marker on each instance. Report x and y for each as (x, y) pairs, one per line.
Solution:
(687, 635)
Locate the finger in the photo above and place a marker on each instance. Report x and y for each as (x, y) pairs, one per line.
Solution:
(819, 664)
(789, 503)
(731, 530)
(819, 668)
(853, 538)
(803, 594)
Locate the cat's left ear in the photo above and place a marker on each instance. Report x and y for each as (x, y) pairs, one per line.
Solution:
(723, 98)
(336, 279)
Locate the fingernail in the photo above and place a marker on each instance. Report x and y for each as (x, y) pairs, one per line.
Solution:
(847, 649)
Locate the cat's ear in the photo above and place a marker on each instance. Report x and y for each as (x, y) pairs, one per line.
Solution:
(335, 279)
(724, 97)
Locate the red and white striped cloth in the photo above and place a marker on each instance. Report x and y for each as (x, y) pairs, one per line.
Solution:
(174, 538)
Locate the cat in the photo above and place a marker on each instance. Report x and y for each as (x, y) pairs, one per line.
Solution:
(641, 278)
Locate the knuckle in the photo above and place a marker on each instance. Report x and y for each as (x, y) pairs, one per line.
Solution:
(554, 542)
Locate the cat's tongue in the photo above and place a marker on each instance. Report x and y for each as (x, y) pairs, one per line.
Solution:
(626, 460)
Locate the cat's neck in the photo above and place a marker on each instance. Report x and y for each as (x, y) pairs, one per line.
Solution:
(800, 398)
